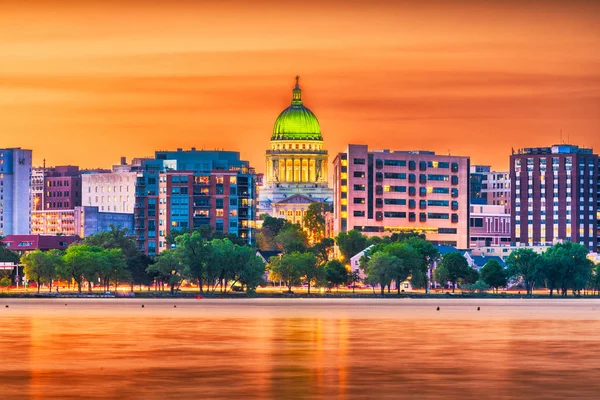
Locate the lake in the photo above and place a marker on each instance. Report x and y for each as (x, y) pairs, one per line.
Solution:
(299, 348)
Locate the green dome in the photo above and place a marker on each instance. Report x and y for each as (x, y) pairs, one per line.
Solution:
(297, 122)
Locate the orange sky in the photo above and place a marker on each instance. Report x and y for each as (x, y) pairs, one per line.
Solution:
(85, 82)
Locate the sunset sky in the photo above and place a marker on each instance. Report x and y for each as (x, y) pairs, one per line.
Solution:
(85, 82)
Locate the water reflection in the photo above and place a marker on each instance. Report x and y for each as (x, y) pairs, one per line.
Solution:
(356, 349)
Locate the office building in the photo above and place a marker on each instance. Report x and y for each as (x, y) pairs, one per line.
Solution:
(554, 195)
(380, 192)
(186, 190)
(15, 191)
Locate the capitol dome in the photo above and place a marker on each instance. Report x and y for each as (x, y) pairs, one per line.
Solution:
(297, 122)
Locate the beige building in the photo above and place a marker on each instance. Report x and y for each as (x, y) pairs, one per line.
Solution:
(110, 192)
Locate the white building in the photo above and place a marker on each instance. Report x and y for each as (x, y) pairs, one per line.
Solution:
(15, 191)
(110, 192)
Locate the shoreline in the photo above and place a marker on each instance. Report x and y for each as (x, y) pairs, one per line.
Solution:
(283, 296)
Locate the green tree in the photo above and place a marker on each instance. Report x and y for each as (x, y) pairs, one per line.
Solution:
(311, 272)
(80, 263)
(452, 268)
(168, 268)
(252, 272)
(292, 239)
(354, 278)
(5, 281)
(7, 255)
(525, 265)
(288, 268)
(494, 275)
(351, 243)
(37, 267)
(136, 261)
(428, 253)
(314, 221)
(411, 263)
(595, 280)
(570, 267)
(479, 286)
(382, 268)
(323, 249)
(193, 250)
(335, 274)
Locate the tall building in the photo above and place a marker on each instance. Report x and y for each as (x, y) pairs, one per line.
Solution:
(15, 191)
(554, 195)
(489, 187)
(62, 188)
(190, 190)
(380, 192)
(296, 163)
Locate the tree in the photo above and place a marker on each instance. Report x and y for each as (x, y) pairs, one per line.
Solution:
(265, 236)
(411, 263)
(80, 263)
(5, 281)
(136, 261)
(38, 267)
(351, 243)
(566, 265)
(595, 280)
(452, 268)
(479, 286)
(7, 255)
(252, 272)
(353, 278)
(292, 239)
(323, 249)
(494, 275)
(382, 268)
(288, 268)
(168, 267)
(310, 271)
(193, 250)
(428, 253)
(314, 221)
(335, 274)
(525, 264)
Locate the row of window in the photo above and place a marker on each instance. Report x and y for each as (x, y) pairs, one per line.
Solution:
(412, 165)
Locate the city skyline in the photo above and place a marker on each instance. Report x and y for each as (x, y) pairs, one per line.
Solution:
(149, 76)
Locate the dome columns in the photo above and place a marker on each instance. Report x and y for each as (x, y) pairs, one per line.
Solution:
(296, 168)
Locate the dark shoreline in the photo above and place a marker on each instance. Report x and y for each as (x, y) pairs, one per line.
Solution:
(329, 296)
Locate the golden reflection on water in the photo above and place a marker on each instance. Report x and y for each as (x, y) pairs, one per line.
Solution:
(290, 349)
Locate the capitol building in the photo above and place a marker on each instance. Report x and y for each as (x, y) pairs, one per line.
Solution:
(296, 164)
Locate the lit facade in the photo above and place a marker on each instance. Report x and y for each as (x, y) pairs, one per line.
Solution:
(381, 192)
(110, 192)
(187, 190)
(296, 162)
(53, 222)
(554, 195)
(15, 191)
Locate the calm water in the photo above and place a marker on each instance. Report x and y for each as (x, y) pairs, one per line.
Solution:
(299, 349)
